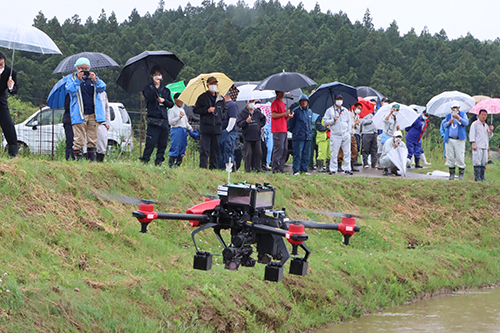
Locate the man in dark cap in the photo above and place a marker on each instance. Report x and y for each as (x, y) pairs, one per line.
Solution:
(8, 82)
(212, 109)
(339, 119)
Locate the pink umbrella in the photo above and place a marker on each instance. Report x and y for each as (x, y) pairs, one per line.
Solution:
(491, 105)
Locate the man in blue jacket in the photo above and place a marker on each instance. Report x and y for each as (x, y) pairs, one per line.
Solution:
(455, 136)
(414, 138)
(86, 108)
(301, 127)
(158, 99)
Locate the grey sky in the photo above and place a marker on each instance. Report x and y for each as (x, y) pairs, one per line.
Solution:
(456, 17)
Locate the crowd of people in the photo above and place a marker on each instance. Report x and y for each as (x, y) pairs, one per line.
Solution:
(330, 143)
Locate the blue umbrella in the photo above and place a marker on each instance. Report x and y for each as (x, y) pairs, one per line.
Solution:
(58, 93)
(324, 96)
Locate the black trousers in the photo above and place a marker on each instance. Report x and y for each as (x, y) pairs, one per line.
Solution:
(209, 147)
(6, 122)
(253, 155)
(369, 147)
(156, 136)
(68, 131)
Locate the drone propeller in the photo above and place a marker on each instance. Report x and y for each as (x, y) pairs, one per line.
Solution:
(126, 199)
(336, 214)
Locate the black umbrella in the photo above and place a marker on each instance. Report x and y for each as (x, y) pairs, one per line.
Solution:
(364, 91)
(285, 81)
(97, 61)
(135, 75)
(324, 96)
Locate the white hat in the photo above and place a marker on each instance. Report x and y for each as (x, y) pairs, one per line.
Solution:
(454, 104)
(398, 133)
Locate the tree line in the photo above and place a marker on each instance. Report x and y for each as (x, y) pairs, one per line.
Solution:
(249, 43)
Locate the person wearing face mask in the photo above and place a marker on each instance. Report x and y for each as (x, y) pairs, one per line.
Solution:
(414, 137)
(339, 120)
(393, 143)
(251, 121)
(279, 116)
(301, 127)
(228, 134)
(479, 135)
(454, 137)
(158, 99)
(380, 146)
(179, 126)
(8, 82)
(212, 109)
(390, 123)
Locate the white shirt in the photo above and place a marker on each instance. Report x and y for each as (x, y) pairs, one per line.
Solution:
(175, 120)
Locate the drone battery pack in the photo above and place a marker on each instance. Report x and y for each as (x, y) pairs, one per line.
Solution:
(273, 273)
(298, 266)
(203, 261)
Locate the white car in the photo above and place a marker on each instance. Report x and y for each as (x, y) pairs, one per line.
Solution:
(43, 130)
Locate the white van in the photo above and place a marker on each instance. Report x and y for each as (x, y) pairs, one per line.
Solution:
(43, 130)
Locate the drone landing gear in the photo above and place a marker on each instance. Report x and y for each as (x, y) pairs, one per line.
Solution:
(274, 272)
(203, 261)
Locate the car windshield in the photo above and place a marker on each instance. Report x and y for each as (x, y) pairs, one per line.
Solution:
(46, 116)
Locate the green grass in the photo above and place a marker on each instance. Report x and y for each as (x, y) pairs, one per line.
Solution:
(76, 262)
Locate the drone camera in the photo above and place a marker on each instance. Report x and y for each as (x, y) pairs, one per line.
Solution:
(203, 261)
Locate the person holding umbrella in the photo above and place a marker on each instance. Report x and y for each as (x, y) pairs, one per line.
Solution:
(86, 109)
(339, 120)
(369, 133)
(212, 109)
(8, 82)
(251, 120)
(158, 99)
(301, 127)
(455, 135)
(414, 137)
(385, 161)
(479, 135)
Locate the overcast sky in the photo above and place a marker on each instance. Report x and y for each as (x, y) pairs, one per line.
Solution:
(456, 17)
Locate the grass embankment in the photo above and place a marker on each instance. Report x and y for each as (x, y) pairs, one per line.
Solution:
(74, 262)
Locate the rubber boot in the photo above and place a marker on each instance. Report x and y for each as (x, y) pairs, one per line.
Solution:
(424, 160)
(386, 172)
(461, 174)
(452, 174)
(477, 173)
(92, 154)
(395, 172)
(483, 169)
(320, 166)
(13, 150)
(78, 154)
(352, 167)
(417, 163)
(339, 166)
(100, 157)
(158, 163)
(178, 161)
(171, 161)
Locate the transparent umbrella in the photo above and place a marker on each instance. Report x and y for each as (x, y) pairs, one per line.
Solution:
(25, 38)
(439, 105)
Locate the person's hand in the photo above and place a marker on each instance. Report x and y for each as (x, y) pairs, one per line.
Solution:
(396, 144)
(107, 127)
(451, 121)
(249, 119)
(79, 75)
(336, 118)
(491, 128)
(93, 77)
(211, 109)
(398, 127)
(161, 99)
(456, 116)
(357, 122)
(10, 83)
(181, 114)
(474, 147)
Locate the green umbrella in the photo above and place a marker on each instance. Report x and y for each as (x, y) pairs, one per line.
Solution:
(176, 87)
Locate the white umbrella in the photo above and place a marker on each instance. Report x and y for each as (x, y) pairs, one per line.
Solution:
(247, 93)
(405, 117)
(439, 105)
(419, 108)
(25, 38)
(399, 157)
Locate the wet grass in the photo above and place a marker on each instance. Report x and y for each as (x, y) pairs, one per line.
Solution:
(75, 262)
